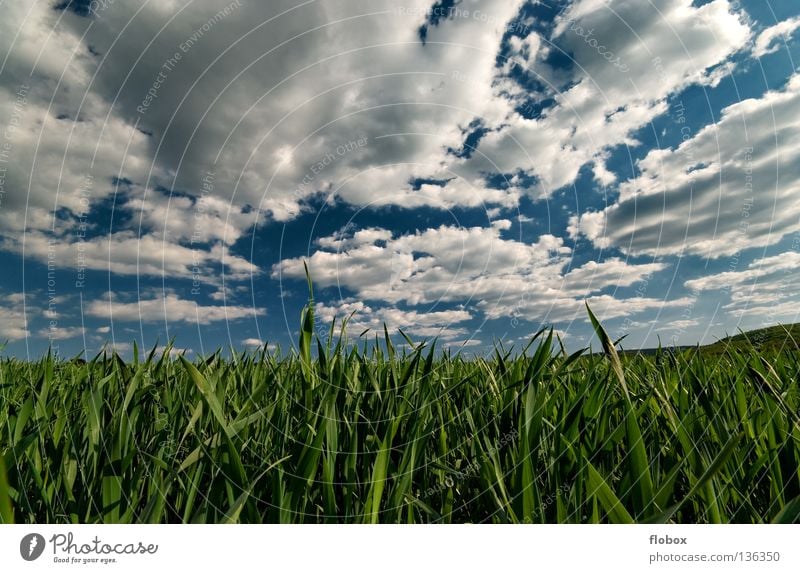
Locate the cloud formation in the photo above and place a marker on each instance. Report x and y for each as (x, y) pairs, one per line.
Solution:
(765, 290)
(13, 324)
(478, 266)
(168, 308)
(732, 186)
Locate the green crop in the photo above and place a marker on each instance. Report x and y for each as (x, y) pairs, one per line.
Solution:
(339, 432)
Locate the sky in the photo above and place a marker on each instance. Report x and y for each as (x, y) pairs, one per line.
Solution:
(468, 171)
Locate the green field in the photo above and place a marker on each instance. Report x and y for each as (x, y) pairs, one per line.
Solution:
(337, 433)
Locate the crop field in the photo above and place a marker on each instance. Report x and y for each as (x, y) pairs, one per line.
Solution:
(338, 432)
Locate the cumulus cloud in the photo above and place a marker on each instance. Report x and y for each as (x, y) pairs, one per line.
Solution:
(274, 102)
(594, 276)
(173, 352)
(732, 186)
(118, 347)
(770, 40)
(552, 306)
(765, 289)
(304, 98)
(168, 308)
(447, 263)
(13, 324)
(282, 101)
(127, 253)
(427, 324)
(64, 142)
(500, 276)
(61, 332)
(662, 47)
(459, 345)
(195, 220)
(677, 325)
(788, 262)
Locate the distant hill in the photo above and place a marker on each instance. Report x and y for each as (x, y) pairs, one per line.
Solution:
(781, 336)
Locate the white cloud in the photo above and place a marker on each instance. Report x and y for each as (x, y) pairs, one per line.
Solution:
(13, 325)
(207, 219)
(788, 262)
(126, 253)
(61, 332)
(594, 276)
(677, 325)
(502, 277)
(665, 46)
(766, 41)
(765, 290)
(174, 352)
(168, 308)
(352, 103)
(732, 186)
(65, 142)
(427, 324)
(275, 104)
(554, 307)
(292, 119)
(459, 344)
(441, 264)
(118, 347)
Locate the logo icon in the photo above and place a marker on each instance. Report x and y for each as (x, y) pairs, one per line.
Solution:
(31, 547)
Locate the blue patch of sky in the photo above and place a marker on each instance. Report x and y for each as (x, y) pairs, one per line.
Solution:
(534, 18)
(105, 215)
(441, 10)
(699, 106)
(416, 183)
(535, 107)
(79, 7)
(769, 12)
(474, 132)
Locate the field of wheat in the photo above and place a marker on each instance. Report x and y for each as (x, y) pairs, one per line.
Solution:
(365, 431)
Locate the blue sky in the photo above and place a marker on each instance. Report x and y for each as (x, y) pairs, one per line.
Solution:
(468, 170)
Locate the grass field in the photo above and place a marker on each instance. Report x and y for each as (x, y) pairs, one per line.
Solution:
(375, 434)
